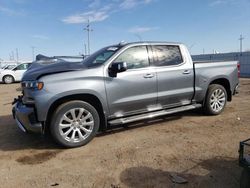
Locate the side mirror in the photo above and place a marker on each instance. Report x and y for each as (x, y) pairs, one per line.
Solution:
(116, 68)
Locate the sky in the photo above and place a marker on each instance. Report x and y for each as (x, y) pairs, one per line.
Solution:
(56, 27)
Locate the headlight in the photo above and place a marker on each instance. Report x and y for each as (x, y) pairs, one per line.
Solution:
(32, 85)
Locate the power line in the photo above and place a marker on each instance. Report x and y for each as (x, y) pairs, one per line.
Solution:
(88, 29)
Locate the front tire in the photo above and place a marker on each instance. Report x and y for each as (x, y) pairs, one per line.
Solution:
(8, 79)
(216, 99)
(74, 124)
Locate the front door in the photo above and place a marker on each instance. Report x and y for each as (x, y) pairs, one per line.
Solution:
(135, 90)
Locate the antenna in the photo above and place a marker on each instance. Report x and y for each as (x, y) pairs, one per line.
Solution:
(190, 47)
(241, 39)
(88, 29)
(138, 36)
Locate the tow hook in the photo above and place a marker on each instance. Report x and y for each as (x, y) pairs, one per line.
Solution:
(19, 98)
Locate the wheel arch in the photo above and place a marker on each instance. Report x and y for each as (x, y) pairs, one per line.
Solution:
(8, 75)
(226, 84)
(89, 98)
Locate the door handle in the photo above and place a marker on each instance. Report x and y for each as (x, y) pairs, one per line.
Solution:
(148, 75)
(186, 72)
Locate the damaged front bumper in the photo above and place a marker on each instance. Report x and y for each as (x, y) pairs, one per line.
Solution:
(25, 117)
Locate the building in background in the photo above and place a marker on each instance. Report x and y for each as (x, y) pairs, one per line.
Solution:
(243, 58)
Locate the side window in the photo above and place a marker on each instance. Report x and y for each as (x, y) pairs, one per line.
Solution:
(103, 57)
(28, 65)
(167, 55)
(22, 67)
(135, 57)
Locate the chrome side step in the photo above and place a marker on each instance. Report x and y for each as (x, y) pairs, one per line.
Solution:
(153, 114)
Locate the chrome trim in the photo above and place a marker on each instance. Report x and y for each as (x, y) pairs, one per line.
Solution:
(76, 125)
(236, 89)
(19, 124)
(153, 114)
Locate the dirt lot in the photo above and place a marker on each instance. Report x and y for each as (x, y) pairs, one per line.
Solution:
(199, 148)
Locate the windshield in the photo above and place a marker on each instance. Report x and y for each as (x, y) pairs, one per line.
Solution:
(9, 67)
(101, 56)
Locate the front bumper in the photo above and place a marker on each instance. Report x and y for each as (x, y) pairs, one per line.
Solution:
(25, 118)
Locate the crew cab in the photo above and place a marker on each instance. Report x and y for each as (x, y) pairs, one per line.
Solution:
(13, 73)
(120, 84)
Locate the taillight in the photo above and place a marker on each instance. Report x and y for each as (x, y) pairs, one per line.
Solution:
(238, 67)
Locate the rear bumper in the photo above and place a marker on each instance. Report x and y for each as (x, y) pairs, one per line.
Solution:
(25, 118)
(236, 89)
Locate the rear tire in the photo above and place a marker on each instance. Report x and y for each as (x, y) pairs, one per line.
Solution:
(8, 79)
(74, 124)
(216, 99)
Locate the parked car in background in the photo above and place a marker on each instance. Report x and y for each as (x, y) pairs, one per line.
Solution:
(13, 74)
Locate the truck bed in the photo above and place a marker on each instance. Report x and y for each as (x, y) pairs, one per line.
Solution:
(207, 70)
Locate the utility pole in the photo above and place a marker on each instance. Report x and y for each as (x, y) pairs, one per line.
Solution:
(13, 56)
(88, 29)
(85, 49)
(17, 55)
(33, 52)
(241, 39)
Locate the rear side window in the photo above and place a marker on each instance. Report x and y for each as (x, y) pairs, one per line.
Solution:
(135, 57)
(167, 55)
(22, 66)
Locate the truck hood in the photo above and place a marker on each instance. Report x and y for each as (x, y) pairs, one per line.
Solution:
(41, 68)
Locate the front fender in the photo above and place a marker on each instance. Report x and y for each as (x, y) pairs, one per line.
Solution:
(43, 107)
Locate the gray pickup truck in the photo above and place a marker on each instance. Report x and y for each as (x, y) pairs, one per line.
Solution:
(119, 84)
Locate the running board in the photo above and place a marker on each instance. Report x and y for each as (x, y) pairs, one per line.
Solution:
(153, 114)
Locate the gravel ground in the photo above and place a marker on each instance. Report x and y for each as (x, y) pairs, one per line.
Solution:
(201, 149)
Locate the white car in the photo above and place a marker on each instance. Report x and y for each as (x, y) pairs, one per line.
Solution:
(14, 74)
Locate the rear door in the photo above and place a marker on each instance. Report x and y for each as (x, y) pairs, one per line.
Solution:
(175, 76)
(135, 90)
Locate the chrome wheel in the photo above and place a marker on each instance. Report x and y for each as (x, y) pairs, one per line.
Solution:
(76, 125)
(217, 100)
(8, 79)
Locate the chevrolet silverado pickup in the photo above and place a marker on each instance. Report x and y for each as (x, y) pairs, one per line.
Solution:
(119, 84)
